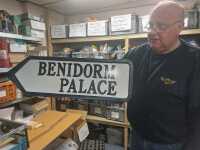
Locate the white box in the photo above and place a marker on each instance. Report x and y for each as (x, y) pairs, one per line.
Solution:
(17, 46)
(123, 24)
(35, 24)
(37, 34)
(77, 30)
(59, 31)
(97, 28)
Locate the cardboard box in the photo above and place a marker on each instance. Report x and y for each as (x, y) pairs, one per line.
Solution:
(123, 24)
(97, 109)
(37, 34)
(26, 30)
(77, 30)
(27, 16)
(18, 46)
(17, 57)
(191, 19)
(115, 114)
(35, 24)
(59, 31)
(97, 28)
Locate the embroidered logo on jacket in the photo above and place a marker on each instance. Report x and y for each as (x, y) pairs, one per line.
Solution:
(167, 81)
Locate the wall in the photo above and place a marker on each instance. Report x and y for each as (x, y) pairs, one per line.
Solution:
(136, 7)
(14, 7)
(37, 10)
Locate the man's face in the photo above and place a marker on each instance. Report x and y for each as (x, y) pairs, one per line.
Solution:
(164, 31)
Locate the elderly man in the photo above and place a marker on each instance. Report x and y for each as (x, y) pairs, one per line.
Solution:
(165, 105)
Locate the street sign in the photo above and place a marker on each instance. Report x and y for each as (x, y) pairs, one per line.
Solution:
(78, 78)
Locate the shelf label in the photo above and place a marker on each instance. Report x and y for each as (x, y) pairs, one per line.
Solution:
(79, 78)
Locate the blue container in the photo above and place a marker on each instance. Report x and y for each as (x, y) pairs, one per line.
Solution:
(21, 145)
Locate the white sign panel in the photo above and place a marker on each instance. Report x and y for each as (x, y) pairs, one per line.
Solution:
(121, 23)
(77, 30)
(56, 76)
(97, 28)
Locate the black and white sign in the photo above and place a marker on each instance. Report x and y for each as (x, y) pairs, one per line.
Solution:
(82, 78)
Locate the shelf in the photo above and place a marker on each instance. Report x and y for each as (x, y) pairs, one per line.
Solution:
(116, 37)
(16, 57)
(96, 119)
(190, 32)
(4, 70)
(100, 38)
(21, 37)
(19, 100)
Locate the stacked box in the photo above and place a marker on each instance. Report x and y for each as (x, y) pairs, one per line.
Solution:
(98, 109)
(32, 27)
(143, 23)
(59, 31)
(18, 46)
(97, 28)
(28, 16)
(115, 114)
(191, 19)
(36, 25)
(123, 24)
(77, 30)
(26, 30)
(115, 111)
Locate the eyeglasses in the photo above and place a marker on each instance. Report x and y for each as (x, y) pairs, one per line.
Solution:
(160, 27)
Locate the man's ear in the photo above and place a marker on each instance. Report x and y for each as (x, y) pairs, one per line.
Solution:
(181, 25)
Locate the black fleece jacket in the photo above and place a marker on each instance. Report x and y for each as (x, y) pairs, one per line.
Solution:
(165, 105)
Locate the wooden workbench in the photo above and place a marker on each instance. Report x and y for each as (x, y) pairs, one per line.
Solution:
(54, 123)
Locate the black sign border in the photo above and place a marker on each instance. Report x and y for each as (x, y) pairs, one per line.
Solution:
(12, 72)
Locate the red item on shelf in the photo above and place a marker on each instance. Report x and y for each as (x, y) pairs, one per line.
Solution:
(4, 59)
(4, 44)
